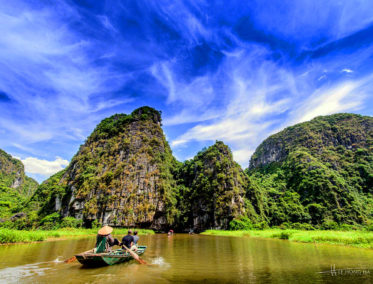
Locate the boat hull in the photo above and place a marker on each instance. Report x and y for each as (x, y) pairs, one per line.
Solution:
(102, 259)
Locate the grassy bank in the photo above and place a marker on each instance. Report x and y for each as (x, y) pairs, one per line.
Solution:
(363, 239)
(22, 236)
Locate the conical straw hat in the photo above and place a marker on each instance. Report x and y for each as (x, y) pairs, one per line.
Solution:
(105, 230)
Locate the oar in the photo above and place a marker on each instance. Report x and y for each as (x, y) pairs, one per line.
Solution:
(71, 259)
(135, 255)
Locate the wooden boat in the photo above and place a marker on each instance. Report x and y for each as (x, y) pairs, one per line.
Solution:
(90, 258)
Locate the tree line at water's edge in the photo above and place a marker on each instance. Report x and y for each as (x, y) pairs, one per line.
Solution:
(314, 175)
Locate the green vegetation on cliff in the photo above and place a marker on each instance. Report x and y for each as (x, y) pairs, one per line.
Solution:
(318, 172)
(120, 176)
(112, 126)
(12, 175)
(213, 190)
(43, 200)
(11, 201)
(15, 186)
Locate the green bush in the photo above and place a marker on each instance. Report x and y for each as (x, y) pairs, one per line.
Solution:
(329, 225)
(302, 226)
(370, 227)
(49, 226)
(50, 222)
(261, 226)
(242, 223)
(71, 222)
(96, 224)
(285, 226)
(7, 224)
(346, 227)
(53, 218)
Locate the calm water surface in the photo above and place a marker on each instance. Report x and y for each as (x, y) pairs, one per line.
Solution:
(192, 259)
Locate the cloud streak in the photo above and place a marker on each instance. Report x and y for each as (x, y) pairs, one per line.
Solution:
(346, 96)
(44, 167)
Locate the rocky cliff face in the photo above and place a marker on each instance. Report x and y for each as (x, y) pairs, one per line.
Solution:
(318, 172)
(12, 175)
(120, 176)
(213, 189)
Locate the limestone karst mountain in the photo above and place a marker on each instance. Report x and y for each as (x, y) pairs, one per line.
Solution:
(120, 176)
(15, 186)
(214, 190)
(318, 172)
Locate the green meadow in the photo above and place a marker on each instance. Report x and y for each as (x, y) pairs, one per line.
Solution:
(23, 236)
(362, 239)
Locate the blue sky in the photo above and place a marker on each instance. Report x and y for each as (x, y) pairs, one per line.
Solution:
(235, 71)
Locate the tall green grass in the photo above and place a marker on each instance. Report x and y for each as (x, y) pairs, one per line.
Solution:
(363, 239)
(23, 236)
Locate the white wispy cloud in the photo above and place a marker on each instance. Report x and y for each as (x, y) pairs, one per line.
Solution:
(44, 167)
(191, 96)
(107, 24)
(50, 73)
(179, 16)
(344, 96)
(346, 70)
(24, 148)
(241, 156)
(335, 19)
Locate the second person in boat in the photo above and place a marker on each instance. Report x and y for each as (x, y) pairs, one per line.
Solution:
(135, 240)
(128, 240)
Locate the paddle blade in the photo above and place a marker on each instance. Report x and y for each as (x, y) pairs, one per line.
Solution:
(71, 259)
(135, 255)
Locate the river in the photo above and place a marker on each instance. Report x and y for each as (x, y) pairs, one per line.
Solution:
(192, 259)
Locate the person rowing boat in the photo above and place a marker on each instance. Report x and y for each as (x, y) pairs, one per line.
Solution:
(104, 240)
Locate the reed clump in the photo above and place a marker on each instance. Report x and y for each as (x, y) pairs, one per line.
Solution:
(24, 236)
(363, 239)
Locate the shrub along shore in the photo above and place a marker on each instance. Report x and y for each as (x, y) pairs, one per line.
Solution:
(361, 239)
(23, 236)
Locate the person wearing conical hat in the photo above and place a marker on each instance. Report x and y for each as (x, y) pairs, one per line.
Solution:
(105, 240)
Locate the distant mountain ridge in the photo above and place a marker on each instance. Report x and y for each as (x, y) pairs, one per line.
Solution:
(12, 174)
(15, 186)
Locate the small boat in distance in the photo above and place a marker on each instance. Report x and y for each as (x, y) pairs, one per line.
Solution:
(90, 258)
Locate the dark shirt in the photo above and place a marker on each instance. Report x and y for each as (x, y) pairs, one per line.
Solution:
(127, 240)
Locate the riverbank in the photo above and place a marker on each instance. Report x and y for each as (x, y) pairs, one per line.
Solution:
(362, 239)
(23, 236)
